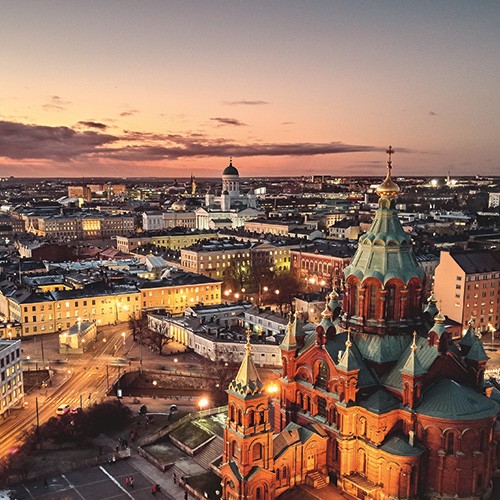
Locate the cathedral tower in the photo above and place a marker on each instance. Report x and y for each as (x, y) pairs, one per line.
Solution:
(247, 461)
(384, 280)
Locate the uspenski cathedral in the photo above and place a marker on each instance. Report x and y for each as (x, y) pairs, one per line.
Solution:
(380, 400)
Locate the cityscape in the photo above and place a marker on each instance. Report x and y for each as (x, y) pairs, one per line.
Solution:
(217, 278)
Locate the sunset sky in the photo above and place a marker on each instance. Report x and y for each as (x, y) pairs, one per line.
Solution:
(169, 88)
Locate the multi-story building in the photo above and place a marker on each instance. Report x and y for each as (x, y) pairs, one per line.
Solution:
(158, 220)
(11, 376)
(215, 258)
(47, 306)
(59, 310)
(493, 200)
(174, 295)
(83, 225)
(265, 226)
(321, 265)
(172, 239)
(80, 192)
(467, 284)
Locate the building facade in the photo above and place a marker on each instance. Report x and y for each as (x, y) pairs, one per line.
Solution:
(467, 285)
(11, 376)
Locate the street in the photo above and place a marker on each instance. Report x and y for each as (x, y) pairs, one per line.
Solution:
(83, 379)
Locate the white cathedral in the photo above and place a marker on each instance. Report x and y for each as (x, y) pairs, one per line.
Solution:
(231, 209)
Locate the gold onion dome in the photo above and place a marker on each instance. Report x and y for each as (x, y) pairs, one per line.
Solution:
(388, 188)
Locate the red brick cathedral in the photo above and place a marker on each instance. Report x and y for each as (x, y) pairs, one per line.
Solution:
(381, 400)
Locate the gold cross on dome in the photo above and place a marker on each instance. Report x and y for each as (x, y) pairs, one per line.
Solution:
(390, 152)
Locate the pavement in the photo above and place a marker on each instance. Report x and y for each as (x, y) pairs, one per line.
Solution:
(101, 482)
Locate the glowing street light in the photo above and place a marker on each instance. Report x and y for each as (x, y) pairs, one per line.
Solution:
(272, 388)
(124, 335)
(155, 383)
(203, 403)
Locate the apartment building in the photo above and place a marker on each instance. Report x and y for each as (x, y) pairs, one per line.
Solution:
(467, 284)
(171, 240)
(265, 226)
(84, 225)
(215, 259)
(321, 265)
(174, 295)
(11, 376)
(158, 220)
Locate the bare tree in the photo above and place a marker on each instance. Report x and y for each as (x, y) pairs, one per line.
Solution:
(158, 335)
(138, 326)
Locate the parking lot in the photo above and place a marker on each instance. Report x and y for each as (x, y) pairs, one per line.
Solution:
(100, 482)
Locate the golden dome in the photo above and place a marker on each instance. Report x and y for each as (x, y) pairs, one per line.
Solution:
(388, 188)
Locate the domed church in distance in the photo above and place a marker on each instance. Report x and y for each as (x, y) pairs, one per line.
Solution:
(380, 400)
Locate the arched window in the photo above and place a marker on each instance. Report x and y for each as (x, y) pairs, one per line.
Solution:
(251, 417)
(390, 302)
(240, 417)
(323, 376)
(257, 451)
(483, 443)
(371, 309)
(410, 301)
(231, 413)
(299, 399)
(450, 443)
(234, 449)
(262, 417)
(354, 299)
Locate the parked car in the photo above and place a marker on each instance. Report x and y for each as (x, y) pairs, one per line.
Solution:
(63, 409)
(75, 410)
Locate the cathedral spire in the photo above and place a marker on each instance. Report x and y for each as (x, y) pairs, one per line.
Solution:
(289, 342)
(247, 381)
(388, 188)
(412, 365)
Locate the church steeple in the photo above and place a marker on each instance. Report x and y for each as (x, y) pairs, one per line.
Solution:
(247, 460)
(247, 381)
(388, 188)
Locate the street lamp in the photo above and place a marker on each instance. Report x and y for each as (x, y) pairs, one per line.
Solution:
(124, 335)
(203, 403)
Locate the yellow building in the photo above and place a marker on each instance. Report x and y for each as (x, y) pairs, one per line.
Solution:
(215, 260)
(172, 241)
(162, 294)
(57, 311)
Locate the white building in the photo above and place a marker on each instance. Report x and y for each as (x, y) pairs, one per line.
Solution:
(229, 210)
(11, 376)
(494, 200)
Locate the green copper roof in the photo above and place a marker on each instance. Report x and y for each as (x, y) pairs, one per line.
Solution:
(348, 360)
(413, 366)
(381, 401)
(477, 352)
(381, 348)
(439, 326)
(399, 445)
(469, 338)
(448, 399)
(336, 344)
(425, 354)
(247, 382)
(385, 250)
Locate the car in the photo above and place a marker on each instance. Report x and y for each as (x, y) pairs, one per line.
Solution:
(63, 409)
(76, 410)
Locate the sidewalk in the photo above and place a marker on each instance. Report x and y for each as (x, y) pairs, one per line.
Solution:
(164, 479)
